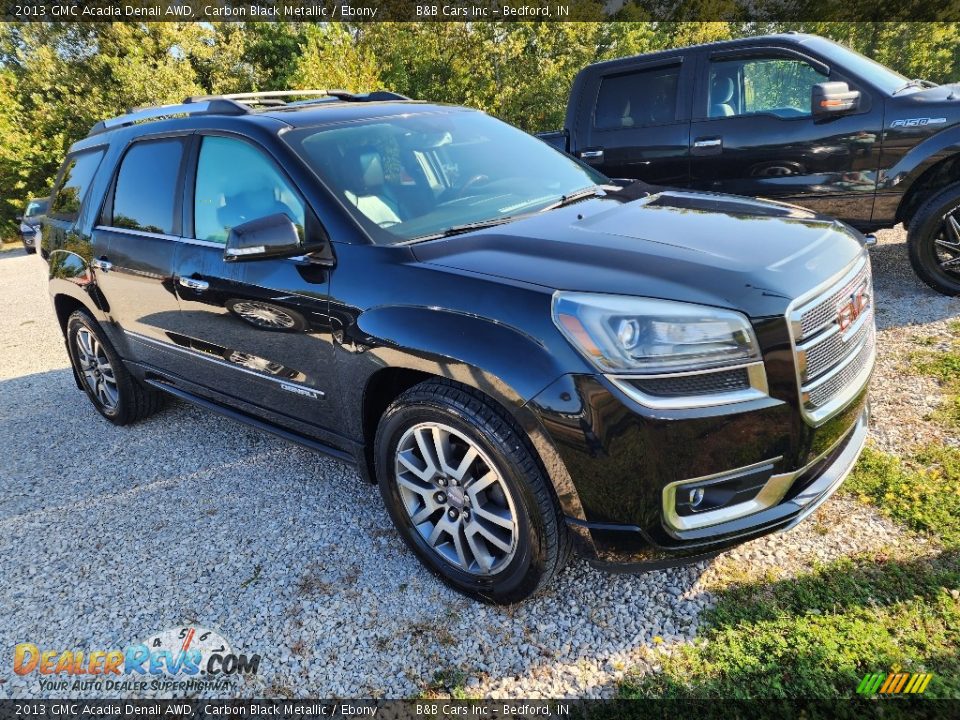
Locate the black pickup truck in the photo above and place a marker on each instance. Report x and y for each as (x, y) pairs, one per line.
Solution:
(791, 117)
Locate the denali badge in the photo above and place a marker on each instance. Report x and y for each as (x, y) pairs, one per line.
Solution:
(854, 307)
(300, 391)
(918, 122)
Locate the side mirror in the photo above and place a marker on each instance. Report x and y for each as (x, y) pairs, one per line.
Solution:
(833, 97)
(267, 237)
(18, 218)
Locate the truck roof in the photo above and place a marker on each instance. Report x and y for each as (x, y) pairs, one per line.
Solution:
(791, 38)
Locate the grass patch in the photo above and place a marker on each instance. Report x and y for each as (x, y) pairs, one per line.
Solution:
(817, 635)
(922, 493)
(944, 366)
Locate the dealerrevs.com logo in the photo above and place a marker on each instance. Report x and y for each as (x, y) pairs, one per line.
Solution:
(184, 658)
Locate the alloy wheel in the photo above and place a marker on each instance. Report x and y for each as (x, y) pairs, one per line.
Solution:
(456, 498)
(98, 374)
(946, 243)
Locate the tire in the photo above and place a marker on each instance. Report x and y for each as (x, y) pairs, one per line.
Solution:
(930, 236)
(122, 401)
(30, 250)
(539, 542)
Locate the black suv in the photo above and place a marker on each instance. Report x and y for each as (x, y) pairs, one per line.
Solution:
(30, 223)
(790, 117)
(525, 356)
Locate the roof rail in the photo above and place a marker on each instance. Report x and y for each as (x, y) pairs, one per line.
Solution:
(213, 106)
(264, 98)
(234, 104)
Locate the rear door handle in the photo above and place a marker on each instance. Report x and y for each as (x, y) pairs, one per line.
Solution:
(707, 145)
(102, 264)
(592, 154)
(194, 284)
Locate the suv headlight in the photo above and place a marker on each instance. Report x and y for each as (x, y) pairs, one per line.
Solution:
(622, 334)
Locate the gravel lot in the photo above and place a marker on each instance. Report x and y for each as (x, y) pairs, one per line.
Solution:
(189, 517)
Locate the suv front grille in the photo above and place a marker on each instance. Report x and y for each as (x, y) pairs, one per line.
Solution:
(823, 310)
(834, 362)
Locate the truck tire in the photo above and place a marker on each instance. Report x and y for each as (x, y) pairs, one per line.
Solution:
(114, 392)
(467, 495)
(933, 240)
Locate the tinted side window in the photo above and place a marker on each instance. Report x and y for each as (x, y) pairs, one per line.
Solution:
(77, 175)
(645, 97)
(146, 187)
(777, 86)
(237, 183)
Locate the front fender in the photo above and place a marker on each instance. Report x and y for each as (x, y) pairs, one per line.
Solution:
(493, 357)
(919, 159)
(499, 360)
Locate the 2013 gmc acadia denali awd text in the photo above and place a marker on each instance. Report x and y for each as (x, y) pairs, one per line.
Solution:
(528, 357)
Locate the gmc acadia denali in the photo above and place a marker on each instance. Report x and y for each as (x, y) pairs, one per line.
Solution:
(526, 356)
(790, 117)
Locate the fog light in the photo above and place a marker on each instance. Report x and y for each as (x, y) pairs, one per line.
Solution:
(696, 497)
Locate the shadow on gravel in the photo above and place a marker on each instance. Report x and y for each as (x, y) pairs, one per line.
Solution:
(902, 297)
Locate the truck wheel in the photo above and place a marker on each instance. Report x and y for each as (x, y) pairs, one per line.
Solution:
(467, 494)
(114, 392)
(933, 239)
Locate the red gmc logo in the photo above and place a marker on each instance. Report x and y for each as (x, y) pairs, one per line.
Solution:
(848, 312)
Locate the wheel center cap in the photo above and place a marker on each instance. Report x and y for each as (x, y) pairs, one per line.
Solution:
(455, 496)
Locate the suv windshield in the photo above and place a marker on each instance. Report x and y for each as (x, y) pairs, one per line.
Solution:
(415, 176)
(35, 207)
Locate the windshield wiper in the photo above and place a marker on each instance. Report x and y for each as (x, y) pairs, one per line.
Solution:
(573, 197)
(465, 228)
(916, 82)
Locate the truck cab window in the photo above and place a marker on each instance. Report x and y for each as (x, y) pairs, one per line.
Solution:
(633, 99)
(776, 86)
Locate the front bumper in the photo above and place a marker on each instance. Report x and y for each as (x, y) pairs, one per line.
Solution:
(620, 547)
(623, 460)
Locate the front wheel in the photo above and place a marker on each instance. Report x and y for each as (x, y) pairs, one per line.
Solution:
(933, 239)
(467, 495)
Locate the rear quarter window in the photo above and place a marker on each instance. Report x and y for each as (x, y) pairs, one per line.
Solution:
(78, 172)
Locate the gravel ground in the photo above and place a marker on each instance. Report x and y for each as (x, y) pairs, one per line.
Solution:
(188, 517)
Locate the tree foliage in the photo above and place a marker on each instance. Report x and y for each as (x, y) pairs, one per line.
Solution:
(57, 80)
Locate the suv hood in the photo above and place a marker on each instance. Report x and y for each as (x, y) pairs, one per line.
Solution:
(751, 255)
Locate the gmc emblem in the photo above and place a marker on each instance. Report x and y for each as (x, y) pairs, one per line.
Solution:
(854, 307)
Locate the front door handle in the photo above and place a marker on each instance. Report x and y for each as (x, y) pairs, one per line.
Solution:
(102, 264)
(707, 145)
(592, 154)
(194, 284)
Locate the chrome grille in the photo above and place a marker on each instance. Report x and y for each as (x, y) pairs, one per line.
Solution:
(820, 394)
(823, 311)
(834, 362)
(822, 354)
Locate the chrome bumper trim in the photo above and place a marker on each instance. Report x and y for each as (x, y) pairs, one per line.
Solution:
(776, 487)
